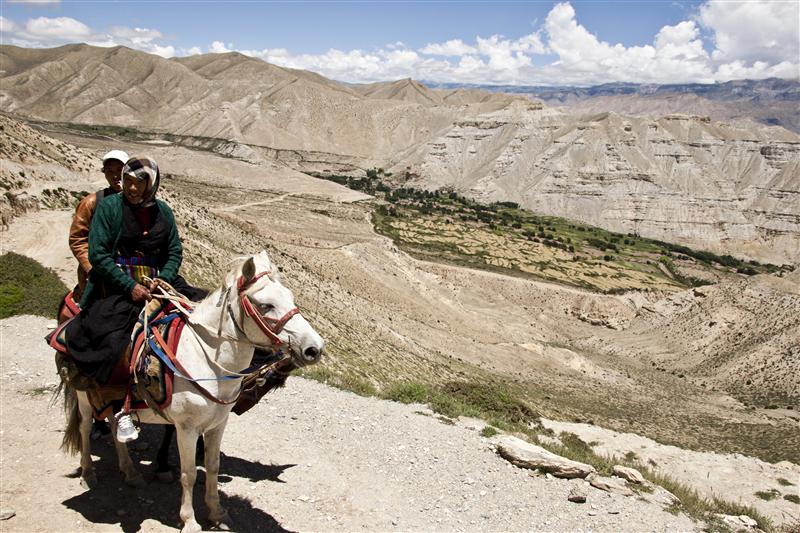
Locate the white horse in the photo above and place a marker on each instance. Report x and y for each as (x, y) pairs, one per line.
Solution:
(253, 309)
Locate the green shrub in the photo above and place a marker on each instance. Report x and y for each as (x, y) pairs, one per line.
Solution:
(489, 431)
(486, 400)
(411, 392)
(28, 288)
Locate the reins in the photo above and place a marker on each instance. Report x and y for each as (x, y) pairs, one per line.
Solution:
(270, 327)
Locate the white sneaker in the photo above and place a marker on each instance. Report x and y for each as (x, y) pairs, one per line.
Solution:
(126, 431)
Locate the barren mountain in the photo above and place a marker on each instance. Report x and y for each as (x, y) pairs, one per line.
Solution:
(726, 188)
(408, 90)
(226, 96)
(772, 101)
(682, 178)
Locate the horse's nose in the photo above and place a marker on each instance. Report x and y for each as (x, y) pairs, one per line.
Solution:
(312, 354)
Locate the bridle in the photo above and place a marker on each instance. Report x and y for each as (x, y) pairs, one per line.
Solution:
(271, 327)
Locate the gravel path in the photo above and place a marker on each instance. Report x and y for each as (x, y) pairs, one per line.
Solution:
(310, 458)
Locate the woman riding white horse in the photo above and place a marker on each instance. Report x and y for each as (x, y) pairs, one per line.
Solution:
(253, 309)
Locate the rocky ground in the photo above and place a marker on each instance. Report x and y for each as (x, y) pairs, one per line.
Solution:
(310, 458)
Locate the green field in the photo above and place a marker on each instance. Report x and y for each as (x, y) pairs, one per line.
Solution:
(502, 237)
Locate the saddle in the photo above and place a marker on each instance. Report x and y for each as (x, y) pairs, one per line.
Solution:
(149, 380)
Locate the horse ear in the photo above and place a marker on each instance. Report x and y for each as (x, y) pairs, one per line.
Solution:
(248, 270)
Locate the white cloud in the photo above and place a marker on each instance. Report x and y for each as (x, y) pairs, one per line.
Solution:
(218, 47)
(453, 47)
(8, 25)
(46, 32)
(59, 28)
(753, 31)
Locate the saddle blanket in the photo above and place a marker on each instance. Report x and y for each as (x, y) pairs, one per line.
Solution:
(153, 380)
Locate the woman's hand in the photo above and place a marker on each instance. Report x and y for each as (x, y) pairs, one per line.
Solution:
(140, 294)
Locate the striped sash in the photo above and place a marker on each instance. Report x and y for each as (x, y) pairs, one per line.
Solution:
(138, 267)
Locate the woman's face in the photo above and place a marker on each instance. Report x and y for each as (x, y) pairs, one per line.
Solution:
(133, 189)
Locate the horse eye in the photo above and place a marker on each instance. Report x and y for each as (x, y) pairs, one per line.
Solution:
(266, 307)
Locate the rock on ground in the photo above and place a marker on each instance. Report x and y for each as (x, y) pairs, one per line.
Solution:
(527, 455)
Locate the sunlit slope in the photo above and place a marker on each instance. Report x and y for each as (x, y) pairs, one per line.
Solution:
(680, 178)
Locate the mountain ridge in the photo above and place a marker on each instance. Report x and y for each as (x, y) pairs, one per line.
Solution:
(730, 188)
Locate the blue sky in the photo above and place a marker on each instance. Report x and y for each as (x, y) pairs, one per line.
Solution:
(579, 42)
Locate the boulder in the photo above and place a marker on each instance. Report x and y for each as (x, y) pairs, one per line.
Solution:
(609, 484)
(738, 523)
(526, 455)
(629, 474)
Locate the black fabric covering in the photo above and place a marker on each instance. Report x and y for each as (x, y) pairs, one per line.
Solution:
(134, 239)
(99, 335)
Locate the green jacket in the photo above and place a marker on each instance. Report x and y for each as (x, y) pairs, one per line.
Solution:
(104, 236)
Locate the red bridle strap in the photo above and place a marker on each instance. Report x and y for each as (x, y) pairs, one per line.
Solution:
(271, 327)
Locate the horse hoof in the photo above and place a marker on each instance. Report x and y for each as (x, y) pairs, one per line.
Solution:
(223, 522)
(137, 481)
(89, 482)
(191, 527)
(165, 476)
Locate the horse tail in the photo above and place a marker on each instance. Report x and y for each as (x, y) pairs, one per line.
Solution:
(71, 443)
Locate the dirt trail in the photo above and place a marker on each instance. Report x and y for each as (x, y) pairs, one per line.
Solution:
(42, 235)
(309, 458)
(251, 204)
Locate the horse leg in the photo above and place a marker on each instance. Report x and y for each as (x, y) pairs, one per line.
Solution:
(187, 442)
(216, 513)
(88, 477)
(133, 477)
(163, 470)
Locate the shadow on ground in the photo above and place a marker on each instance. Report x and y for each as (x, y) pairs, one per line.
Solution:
(113, 502)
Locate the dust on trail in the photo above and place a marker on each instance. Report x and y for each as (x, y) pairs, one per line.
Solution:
(43, 236)
(309, 458)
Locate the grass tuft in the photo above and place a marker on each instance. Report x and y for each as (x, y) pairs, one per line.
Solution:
(413, 392)
(768, 495)
(489, 431)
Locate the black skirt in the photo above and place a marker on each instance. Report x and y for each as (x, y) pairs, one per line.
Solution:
(100, 334)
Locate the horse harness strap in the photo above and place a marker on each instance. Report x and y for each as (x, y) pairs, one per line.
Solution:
(185, 374)
(271, 327)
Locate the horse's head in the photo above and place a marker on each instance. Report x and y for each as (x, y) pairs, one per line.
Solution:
(268, 315)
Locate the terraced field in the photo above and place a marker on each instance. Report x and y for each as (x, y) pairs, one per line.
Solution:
(443, 226)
